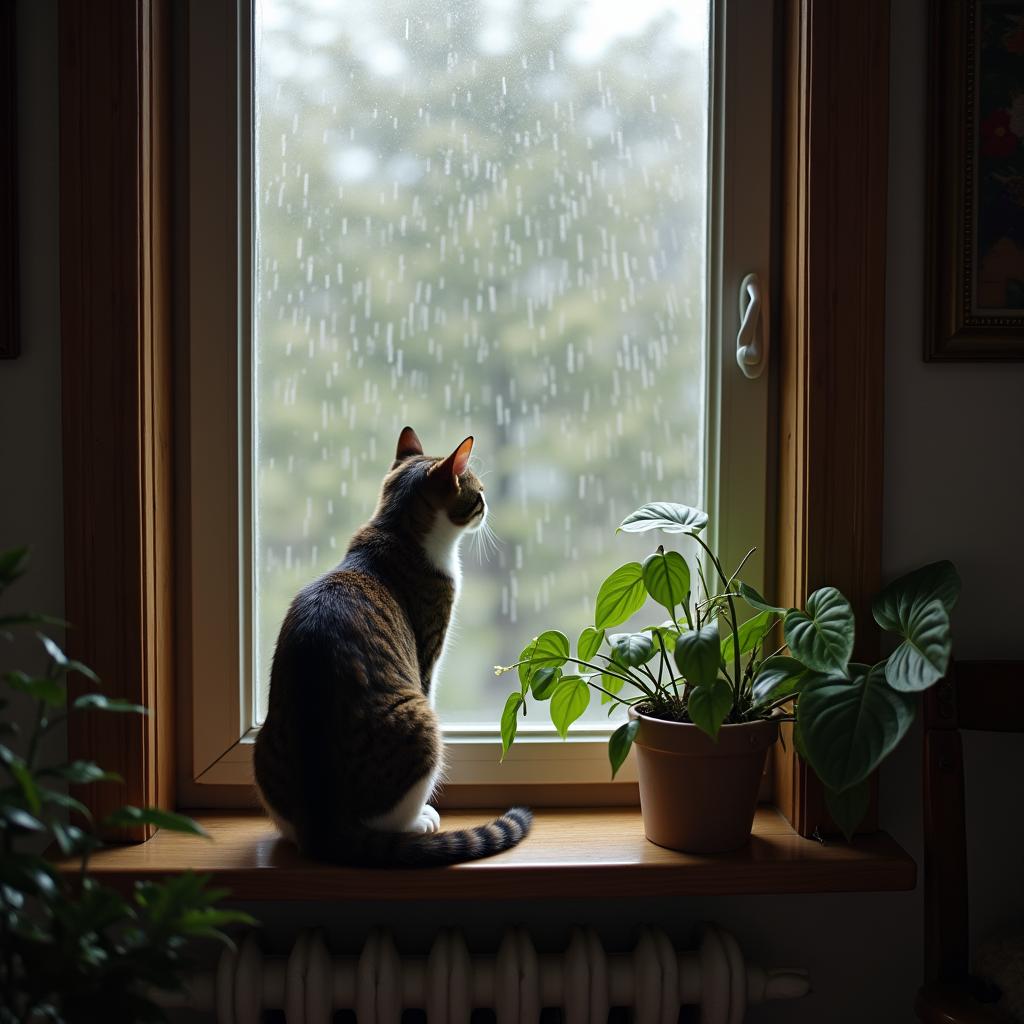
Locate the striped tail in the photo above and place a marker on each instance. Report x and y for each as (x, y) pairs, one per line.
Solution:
(365, 847)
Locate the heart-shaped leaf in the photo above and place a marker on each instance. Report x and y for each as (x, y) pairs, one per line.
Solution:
(849, 807)
(619, 744)
(510, 721)
(550, 649)
(777, 678)
(544, 680)
(632, 648)
(698, 654)
(620, 596)
(938, 581)
(822, 636)
(667, 578)
(708, 706)
(665, 515)
(849, 726)
(751, 633)
(589, 643)
(923, 656)
(755, 600)
(569, 701)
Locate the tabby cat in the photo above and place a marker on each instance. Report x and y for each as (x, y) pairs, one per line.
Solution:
(351, 748)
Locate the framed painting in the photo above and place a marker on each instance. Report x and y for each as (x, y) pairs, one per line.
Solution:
(975, 223)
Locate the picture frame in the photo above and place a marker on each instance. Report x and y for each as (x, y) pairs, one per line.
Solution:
(974, 294)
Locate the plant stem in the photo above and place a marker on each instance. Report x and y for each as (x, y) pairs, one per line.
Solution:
(732, 616)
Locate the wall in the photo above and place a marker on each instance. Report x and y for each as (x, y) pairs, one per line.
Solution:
(955, 436)
(30, 443)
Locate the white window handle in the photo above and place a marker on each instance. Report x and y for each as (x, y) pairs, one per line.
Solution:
(752, 338)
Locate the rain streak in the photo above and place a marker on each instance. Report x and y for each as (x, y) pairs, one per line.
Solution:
(478, 217)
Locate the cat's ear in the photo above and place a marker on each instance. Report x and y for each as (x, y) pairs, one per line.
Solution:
(408, 444)
(455, 465)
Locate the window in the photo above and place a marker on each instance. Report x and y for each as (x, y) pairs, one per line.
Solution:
(529, 223)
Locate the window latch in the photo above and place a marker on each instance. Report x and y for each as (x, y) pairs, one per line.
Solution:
(752, 338)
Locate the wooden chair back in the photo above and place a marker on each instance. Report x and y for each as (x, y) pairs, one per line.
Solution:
(982, 695)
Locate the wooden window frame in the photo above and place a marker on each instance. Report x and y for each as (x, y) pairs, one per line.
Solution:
(118, 367)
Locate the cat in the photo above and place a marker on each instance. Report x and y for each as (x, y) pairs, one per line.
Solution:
(351, 748)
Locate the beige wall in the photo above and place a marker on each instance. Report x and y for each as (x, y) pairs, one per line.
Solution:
(954, 466)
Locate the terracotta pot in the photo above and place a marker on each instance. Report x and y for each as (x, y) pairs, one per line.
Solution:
(698, 795)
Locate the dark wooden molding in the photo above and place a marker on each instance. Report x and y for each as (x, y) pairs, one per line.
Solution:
(116, 383)
(10, 327)
(832, 331)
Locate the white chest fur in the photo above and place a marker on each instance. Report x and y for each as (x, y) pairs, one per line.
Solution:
(442, 549)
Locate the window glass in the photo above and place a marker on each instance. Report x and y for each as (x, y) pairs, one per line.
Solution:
(486, 217)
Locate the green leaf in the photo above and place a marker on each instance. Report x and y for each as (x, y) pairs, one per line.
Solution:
(100, 702)
(569, 701)
(20, 818)
(127, 817)
(13, 563)
(544, 681)
(777, 677)
(668, 631)
(665, 515)
(923, 656)
(667, 578)
(708, 706)
(849, 807)
(549, 650)
(755, 600)
(698, 654)
(632, 649)
(938, 581)
(621, 595)
(55, 796)
(50, 691)
(26, 780)
(822, 636)
(751, 633)
(589, 643)
(81, 773)
(613, 684)
(71, 839)
(66, 663)
(619, 743)
(510, 721)
(849, 726)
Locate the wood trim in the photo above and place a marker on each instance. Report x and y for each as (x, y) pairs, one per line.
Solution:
(10, 327)
(116, 384)
(571, 854)
(832, 337)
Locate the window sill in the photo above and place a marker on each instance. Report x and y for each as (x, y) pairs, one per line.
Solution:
(570, 854)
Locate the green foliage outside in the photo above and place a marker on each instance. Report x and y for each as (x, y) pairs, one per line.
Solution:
(73, 950)
(476, 236)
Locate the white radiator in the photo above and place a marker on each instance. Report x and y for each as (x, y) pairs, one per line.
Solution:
(516, 982)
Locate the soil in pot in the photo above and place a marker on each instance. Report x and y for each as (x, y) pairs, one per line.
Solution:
(699, 795)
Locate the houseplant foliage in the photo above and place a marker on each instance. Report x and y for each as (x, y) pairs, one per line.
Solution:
(72, 949)
(724, 655)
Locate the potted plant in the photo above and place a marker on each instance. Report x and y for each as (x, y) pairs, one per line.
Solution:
(71, 949)
(706, 688)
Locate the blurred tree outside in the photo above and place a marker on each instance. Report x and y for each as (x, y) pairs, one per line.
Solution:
(478, 217)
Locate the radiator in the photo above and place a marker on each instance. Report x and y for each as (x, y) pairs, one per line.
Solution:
(585, 981)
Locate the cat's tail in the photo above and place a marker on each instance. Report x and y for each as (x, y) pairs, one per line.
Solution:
(366, 847)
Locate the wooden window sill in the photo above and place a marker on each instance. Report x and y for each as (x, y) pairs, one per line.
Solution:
(570, 854)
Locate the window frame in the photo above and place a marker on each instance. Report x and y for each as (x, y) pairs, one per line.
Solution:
(220, 445)
(831, 299)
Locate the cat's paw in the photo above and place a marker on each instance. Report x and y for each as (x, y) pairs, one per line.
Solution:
(429, 821)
